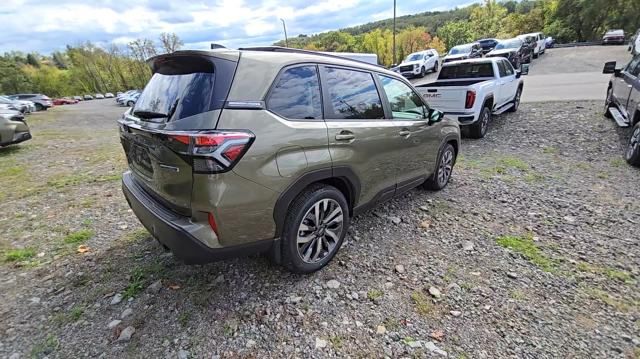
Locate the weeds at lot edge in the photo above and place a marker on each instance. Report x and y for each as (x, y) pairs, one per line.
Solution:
(525, 246)
(610, 273)
(19, 254)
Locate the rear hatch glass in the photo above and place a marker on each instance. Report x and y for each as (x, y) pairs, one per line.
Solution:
(466, 71)
(184, 94)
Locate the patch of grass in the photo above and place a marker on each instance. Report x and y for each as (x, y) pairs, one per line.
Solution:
(66, 180)
(374, 294)
(422, 303)
(603, 175)
(517, 294)
(137, 235)
(513, 162)
(184, 318)
(76, 313)
(533, 177)
(136, 284)
(19, 254)
(391, 324)
(609, 300)
(618, 162)
(582, 165)
(45, 347)
(550, 150)
(611, 273)
(337, 341)
(78, 237)
(525, 246)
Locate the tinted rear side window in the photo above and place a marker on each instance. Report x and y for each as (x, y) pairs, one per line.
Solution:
(297, 94)
(352, 95)
(466, 71)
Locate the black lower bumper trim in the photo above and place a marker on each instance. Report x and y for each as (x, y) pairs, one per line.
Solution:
(17, 138)
(164, 228)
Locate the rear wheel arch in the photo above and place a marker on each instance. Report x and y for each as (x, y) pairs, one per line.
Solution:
(488, 102)
(342, 178)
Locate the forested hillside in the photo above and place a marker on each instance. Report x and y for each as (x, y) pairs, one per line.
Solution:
(566, 20)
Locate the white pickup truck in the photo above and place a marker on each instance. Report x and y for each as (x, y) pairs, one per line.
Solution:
(473, 90)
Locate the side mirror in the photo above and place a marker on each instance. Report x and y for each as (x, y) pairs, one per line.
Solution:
(434, 116)
(609, 67)
(525, 69)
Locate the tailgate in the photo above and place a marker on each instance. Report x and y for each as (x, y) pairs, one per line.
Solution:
(445, 99)
(165, 174)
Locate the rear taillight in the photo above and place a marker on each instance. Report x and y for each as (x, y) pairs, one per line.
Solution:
(471, 99)
(212, 223)
(213, 152)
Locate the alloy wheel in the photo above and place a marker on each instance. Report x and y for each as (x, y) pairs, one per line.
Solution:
(445, 167)
(517, 101)
(320, 230)
(634, 143)
(485, 122)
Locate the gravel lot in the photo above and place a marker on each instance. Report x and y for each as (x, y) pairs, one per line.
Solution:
(532, 251)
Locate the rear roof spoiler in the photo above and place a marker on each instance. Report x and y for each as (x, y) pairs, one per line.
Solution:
(304, 52)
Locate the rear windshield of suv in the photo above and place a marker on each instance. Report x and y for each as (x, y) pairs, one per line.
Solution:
(175, 96)
(466, 71)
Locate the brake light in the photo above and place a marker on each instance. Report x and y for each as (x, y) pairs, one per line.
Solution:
(471, 99)
(213, 152)
(212, 223)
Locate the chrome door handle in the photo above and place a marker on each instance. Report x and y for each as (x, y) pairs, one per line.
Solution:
(345, 136)
(405, 133)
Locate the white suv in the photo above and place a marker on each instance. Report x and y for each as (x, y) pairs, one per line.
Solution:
(418, 63)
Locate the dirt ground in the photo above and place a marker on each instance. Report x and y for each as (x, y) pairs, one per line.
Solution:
(532, 251)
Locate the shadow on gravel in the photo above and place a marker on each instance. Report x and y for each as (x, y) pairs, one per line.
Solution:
(8, 151)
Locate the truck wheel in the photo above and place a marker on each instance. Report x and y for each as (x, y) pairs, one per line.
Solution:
(516, 100)
(440, 178)
(423, 72)
(435, 67)
(479, 128)
(607, 103)
(632, 155)
(314, 229)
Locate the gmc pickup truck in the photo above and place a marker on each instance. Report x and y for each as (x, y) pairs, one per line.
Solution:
(623, 103)
(473, 90)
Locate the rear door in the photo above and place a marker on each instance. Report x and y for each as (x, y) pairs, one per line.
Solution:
(508, 82)
(184, 96)
(360, 137)
(634, 97)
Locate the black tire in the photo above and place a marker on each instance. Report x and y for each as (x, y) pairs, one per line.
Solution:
(130, 104)
(479, 128)
(299, 214)
(632, 153)
(435, 67)
(423, 72)
(441, 176)
(39, 107)
(516, 101)
(535, 56)
(607, 103)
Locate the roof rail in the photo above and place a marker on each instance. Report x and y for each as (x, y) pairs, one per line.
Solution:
(300, 51)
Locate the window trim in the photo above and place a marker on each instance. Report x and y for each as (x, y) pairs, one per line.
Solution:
(277, 79)
(501, 68)
(325, 93)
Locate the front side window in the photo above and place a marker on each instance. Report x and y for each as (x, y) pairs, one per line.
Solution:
(633, 68)
(352, 95)
(508, 69)
(405, 103)
(297, 94)
(501, 69)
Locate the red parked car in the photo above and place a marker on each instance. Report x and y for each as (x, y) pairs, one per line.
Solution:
(64, 101)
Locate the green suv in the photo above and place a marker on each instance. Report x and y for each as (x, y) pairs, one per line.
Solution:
(234, 152)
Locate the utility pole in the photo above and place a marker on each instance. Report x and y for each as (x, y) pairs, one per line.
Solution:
(286, 40)
(394, 32)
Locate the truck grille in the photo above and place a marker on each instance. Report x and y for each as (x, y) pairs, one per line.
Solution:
(406, 68)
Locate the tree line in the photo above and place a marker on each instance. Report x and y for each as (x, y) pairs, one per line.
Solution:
(83, 69)
(565, 20)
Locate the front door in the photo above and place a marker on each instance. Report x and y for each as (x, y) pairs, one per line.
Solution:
(360, 137)
(622, 85)
(417, 143)
(632, 81)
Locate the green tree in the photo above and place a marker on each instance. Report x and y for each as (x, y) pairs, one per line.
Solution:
(456, 33)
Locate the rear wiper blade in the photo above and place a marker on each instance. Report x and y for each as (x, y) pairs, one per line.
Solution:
(149, 114)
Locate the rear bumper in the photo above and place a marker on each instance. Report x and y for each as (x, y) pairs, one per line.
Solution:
(463, 118)
(173, 230)
(17, 138)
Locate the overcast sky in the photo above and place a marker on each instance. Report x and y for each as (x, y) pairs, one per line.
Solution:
(46, 26)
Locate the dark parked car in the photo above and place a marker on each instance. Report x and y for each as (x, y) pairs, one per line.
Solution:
(514, 50)
(614, 37)
(487, 45)
(530, 42)
(623, 103)
(463, 52)
(41, 101)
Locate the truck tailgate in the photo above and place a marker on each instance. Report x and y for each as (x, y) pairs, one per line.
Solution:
(445, 99)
